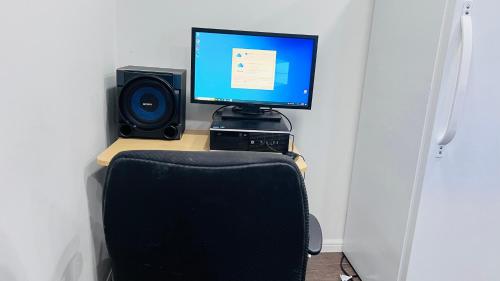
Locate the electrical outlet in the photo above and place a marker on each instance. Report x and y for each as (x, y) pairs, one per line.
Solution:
(467, 7)
(440, 151)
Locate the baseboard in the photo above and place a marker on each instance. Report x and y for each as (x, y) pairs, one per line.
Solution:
(332, 245)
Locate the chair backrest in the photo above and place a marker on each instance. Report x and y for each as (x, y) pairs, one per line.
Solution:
(228, 216)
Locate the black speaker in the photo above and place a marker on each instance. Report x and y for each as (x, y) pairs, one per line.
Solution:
(152, 102)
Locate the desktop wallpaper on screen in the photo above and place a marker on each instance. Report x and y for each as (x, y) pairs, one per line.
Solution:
(252, 69)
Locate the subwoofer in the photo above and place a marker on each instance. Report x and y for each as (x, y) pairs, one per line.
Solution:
(152, 102)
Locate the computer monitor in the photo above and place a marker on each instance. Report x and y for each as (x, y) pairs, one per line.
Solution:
(252, 69)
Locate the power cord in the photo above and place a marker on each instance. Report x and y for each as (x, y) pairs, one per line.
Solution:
(292, 154)
(293, 145)
(355, 275)
(284, 116)
(217, 111)
(272, 148)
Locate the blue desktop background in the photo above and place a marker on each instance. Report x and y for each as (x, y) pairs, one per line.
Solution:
(213, 68)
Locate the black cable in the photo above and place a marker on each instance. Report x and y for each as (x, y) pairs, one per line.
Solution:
(284, 116)
(272, 148)
(298, 155)
(293, 146)
(217, 110)
(355, 275)
(301, 156)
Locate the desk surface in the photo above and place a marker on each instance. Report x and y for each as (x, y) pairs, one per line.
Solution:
(191, 141)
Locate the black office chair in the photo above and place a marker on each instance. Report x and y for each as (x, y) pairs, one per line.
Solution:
(228, 216)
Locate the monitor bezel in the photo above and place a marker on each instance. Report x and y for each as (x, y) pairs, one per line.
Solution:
(253, 33)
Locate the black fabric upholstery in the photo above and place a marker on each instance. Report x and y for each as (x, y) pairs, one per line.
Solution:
(228, 216)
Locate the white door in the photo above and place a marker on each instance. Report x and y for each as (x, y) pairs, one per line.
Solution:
(457, 234)
(403, 48)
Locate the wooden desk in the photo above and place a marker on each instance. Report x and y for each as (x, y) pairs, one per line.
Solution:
(191, 141)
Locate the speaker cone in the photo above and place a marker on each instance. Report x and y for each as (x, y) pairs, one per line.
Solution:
(147, 102)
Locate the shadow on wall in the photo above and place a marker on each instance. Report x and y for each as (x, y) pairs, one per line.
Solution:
(68, 268)
(112, 111)
(70, 265)
(94, 177)
(11, 268)
(95, 184)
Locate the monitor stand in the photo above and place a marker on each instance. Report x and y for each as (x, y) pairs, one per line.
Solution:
(249, 113)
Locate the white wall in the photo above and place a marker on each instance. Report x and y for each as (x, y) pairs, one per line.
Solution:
(157, 33)
(458, 226)
(56, 66)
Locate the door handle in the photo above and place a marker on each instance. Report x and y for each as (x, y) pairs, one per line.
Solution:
(462, 79)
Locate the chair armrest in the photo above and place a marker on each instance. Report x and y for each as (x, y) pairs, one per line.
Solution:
(315, 236)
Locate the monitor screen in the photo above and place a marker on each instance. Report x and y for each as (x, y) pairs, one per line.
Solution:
(241, 67)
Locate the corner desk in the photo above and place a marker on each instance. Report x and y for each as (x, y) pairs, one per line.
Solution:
(192, 140)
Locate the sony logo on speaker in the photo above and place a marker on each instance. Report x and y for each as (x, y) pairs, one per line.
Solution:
(147, 104)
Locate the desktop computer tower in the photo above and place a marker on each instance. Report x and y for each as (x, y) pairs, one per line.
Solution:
(249, 135)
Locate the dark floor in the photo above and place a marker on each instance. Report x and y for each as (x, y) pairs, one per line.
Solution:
(325, 267)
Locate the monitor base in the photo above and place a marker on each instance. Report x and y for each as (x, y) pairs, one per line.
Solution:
(249, 113)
